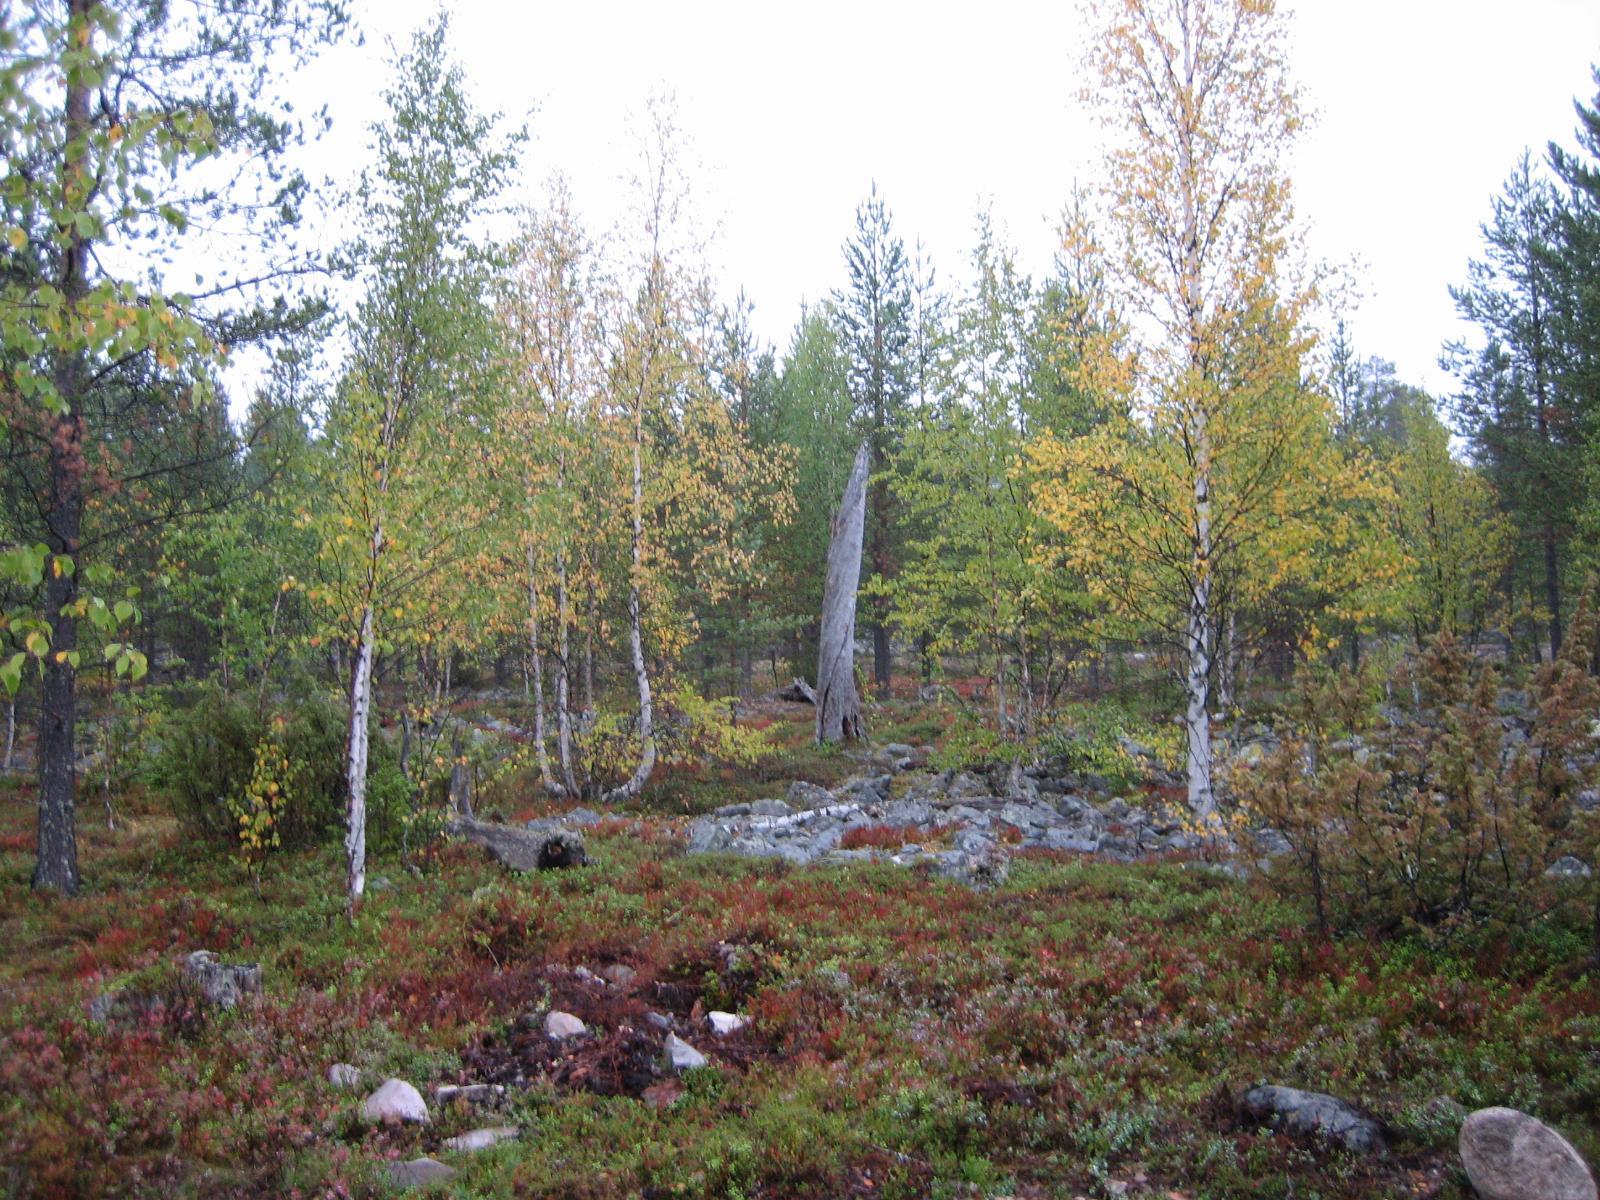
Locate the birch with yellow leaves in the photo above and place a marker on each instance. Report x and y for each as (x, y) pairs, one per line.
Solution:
(1217, 476)
(403, 445)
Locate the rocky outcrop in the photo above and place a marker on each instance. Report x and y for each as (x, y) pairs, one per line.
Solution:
(959, 824)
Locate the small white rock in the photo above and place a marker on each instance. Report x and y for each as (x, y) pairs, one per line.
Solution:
(482, 1139)
(724, 1023)
(681, 1056)
(559, 1026)
(344, 1076)
(395, 1101)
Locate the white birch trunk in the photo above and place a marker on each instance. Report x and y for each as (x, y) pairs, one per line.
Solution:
(1197, 431)
(838, 703)
(1197, 681)
(564, 676)
(641, 676)
(355, 835)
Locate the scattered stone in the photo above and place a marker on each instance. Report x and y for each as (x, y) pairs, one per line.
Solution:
(220, 984)
(1512, 1156)
(468, 1093)
(483, 1139)
(559, 1026)
(396, 1101)
(619, 975)
(1568, 867)
(660, 1020)
(706, 835)
(724, 1023)
(681, 1056)
(1313, 1113)
(581, 818)
(1587, 800)
(344, 1077)
(420, 1172)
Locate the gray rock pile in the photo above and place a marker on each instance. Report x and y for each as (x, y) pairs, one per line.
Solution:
(958, 823)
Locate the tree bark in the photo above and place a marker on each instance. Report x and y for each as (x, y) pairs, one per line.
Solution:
(564, 676)
(355, 780)
(57, 865)
(838, 704)
(641, 675)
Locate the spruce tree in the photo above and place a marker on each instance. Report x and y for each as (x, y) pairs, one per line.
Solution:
(875, 313)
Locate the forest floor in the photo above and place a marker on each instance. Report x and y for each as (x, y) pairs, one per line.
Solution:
(1084, 1029)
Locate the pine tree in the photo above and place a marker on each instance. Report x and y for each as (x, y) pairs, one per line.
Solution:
(1514, 404)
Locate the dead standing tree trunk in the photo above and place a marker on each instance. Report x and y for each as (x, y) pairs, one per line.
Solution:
(838, 704)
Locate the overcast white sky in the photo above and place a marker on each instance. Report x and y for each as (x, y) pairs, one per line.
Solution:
(1422, 107)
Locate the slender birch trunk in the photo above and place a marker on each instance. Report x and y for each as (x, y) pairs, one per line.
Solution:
(1197, 432)
(564, 675)
(647, 741)
(355, 836)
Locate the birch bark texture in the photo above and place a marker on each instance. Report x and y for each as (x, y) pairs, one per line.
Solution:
(838, 703)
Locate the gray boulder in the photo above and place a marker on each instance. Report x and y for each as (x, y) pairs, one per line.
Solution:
(344, 1077)
(803, 795)
(560, 1026)
(1512, 1156)
(706, 835)
(1313, 1114)
(537, 848)
(907, 812)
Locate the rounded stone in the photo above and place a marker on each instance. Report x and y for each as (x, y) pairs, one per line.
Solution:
(559, 1026)
(1512, 1156)
(394, 1102)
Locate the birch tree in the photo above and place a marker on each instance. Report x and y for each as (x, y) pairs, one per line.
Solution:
(1162, 505)
(401, 436)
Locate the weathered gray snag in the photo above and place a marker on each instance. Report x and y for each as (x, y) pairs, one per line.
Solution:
(838, 704)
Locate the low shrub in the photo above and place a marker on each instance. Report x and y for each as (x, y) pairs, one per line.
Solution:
(1442, 818)
(210, 767)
